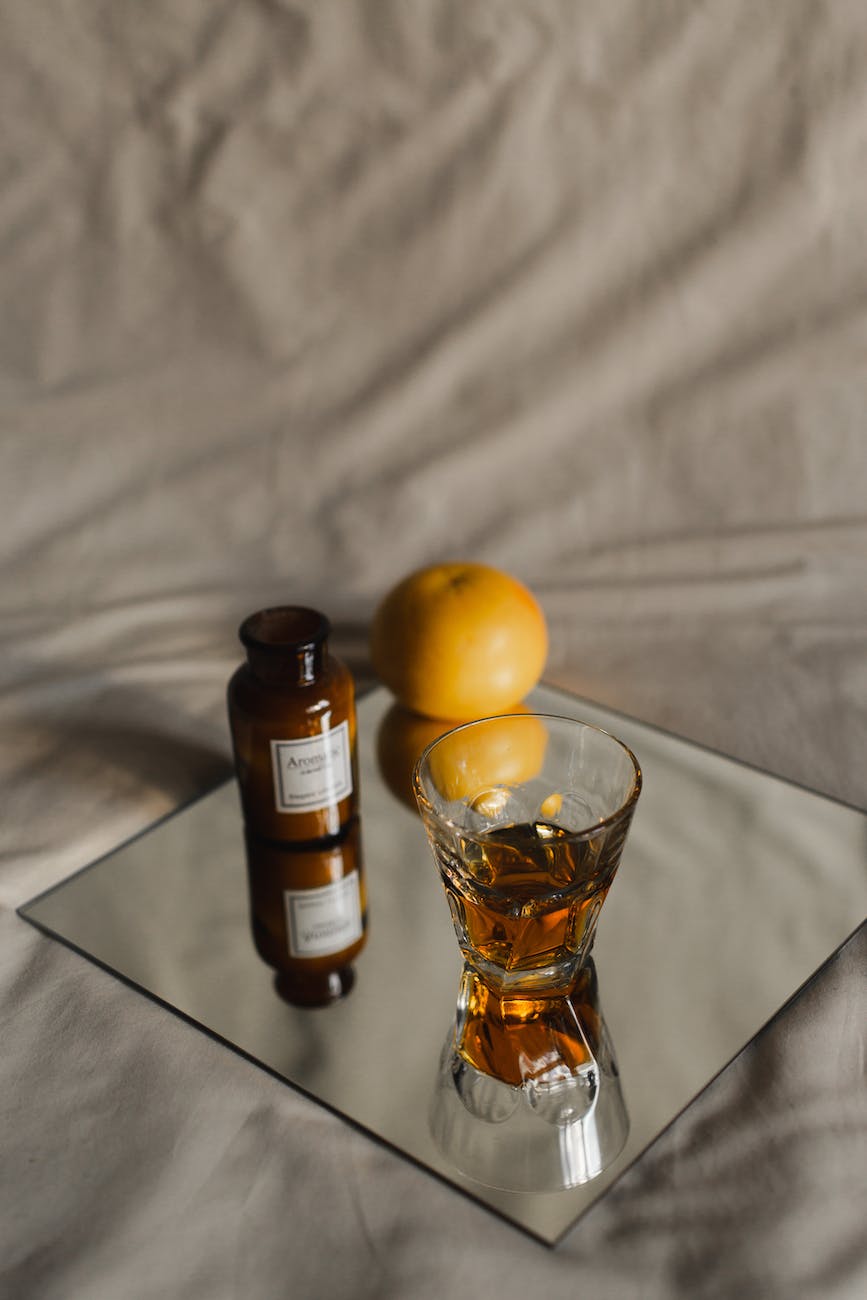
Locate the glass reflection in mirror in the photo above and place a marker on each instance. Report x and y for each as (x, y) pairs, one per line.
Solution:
(528, 1096)
(308, 913)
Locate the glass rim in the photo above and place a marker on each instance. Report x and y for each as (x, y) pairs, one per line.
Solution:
(588, 832)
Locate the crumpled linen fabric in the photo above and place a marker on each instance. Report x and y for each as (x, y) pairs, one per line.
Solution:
(296, 297)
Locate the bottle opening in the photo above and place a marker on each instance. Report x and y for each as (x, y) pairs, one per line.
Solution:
(284, 628)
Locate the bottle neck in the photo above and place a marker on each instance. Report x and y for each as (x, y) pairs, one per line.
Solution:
(286, 645)
(299, 667)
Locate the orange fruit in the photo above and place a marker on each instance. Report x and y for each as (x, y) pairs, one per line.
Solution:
(459, 641)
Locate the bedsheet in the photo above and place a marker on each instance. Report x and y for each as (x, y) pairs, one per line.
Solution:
(296, 297)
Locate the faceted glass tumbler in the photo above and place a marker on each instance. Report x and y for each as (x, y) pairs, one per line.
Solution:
(527, 815)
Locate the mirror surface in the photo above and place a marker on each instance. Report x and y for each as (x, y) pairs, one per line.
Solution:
(734, 887)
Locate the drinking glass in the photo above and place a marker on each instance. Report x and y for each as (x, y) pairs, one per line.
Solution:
(527, 815)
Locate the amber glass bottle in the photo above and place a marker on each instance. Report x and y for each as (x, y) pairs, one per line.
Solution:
(292, 716)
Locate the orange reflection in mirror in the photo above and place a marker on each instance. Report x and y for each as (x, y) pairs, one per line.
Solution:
(403, 736)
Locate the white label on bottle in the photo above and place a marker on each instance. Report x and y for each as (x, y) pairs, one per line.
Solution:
(325, 920)
(313, 772)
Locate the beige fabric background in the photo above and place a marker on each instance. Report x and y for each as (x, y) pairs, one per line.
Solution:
(294, 298)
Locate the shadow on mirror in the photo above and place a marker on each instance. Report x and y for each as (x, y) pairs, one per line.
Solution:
(308, 913)
(527, 1095)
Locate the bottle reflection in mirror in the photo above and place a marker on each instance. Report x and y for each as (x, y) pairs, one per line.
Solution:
(308, 911)
(528, 1093)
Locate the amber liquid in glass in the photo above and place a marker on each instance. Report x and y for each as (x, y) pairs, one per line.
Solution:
(528, 896)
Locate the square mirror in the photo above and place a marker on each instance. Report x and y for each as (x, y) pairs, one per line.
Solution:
(733, 889)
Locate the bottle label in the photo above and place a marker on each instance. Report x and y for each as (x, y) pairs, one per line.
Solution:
(325, 920)
(312, 773)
